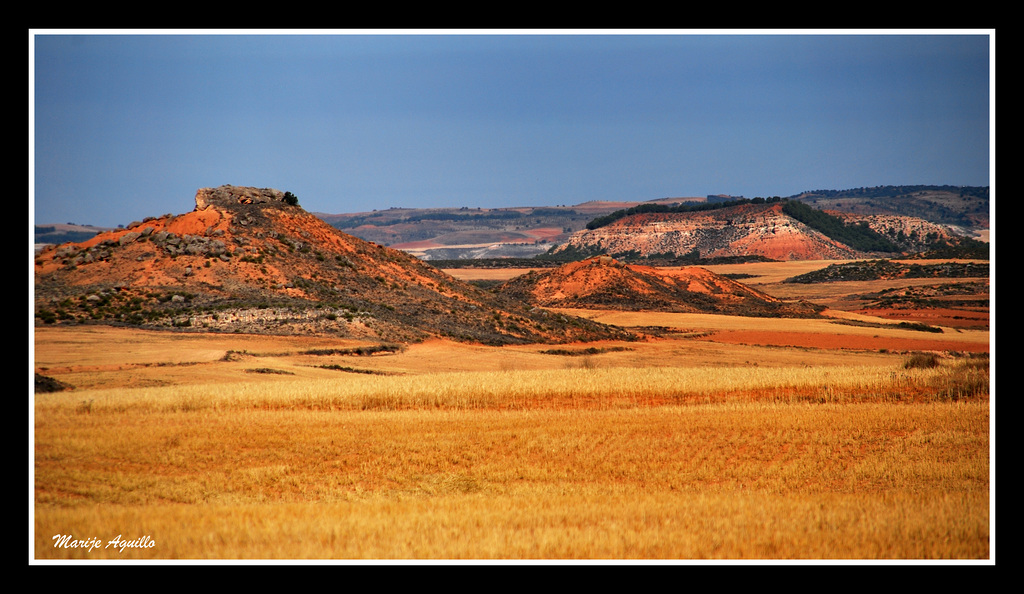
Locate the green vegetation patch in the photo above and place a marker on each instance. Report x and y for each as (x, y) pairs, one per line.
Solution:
(862, 270)
(353, 370)
(859, 236)
(361, 351)
(918, 326)
(584, 352)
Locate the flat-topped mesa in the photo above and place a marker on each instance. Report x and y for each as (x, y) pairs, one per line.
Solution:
(231, 195)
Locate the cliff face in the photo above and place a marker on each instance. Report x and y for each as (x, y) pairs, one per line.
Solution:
(746, 230)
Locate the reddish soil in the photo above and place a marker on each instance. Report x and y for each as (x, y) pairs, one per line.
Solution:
(842, 341)
(953, 318)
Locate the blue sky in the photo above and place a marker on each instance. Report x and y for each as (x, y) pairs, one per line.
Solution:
(126, 126)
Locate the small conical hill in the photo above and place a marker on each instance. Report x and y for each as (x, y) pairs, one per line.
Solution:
(605, 283)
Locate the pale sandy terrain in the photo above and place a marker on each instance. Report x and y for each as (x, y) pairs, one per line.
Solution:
(493, 274)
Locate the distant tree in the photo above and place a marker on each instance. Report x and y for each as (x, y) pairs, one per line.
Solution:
(291, 199)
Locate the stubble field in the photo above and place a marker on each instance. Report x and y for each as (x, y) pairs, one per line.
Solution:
(724, 438)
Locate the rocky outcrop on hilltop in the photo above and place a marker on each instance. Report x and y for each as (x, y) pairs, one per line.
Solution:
(744, 230)
(252, 260)
(227, 196)
(606, 283)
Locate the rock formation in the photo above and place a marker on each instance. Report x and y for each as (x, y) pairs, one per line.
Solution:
(226, 196)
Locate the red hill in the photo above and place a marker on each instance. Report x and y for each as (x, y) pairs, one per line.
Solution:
(605, 283)
(251, 260)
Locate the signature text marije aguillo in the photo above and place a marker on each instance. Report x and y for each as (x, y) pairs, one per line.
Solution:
(67, 541)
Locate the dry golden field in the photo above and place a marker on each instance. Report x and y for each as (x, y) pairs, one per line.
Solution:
(723, 439)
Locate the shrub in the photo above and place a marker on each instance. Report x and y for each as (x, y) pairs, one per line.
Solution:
(918, 326)
(922, 361)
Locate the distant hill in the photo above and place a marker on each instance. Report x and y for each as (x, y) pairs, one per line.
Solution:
(775, 229)
(964, 207)
(476, 233)
(63, 233)
(914, 218)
